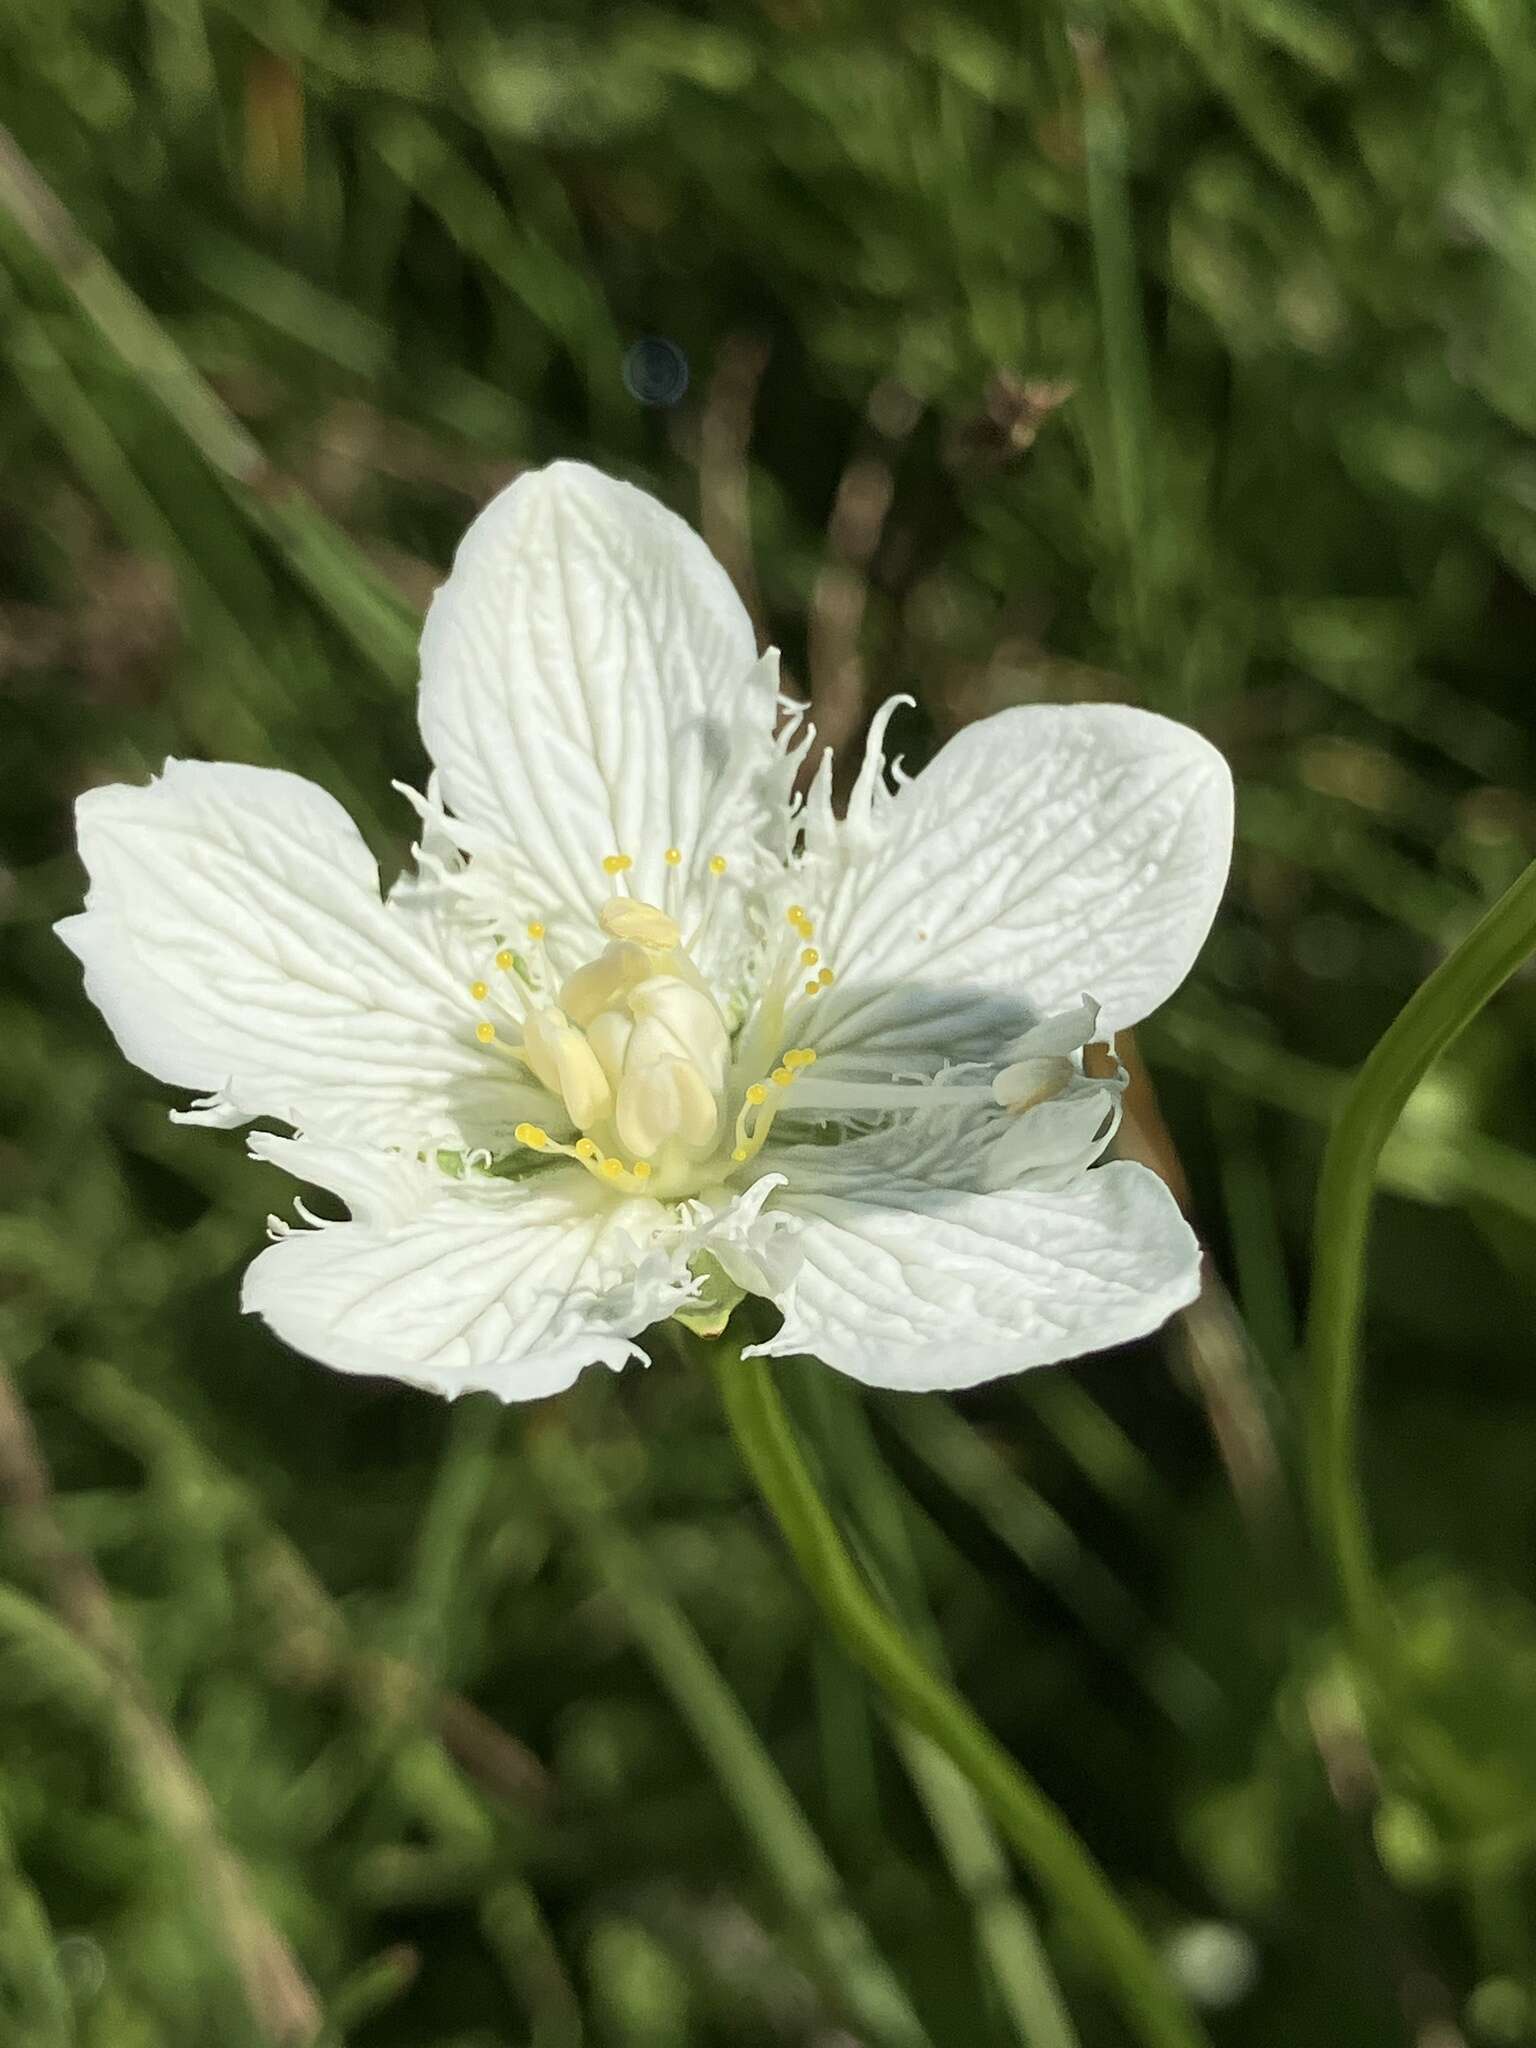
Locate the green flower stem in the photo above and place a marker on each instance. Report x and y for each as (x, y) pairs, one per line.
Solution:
(1039, 1834)
(1422, 1030)
(838, 1425)
(840, 1945)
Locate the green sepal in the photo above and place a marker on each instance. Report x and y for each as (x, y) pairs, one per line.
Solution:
(707, 1312)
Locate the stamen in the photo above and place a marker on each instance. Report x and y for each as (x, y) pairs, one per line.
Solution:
(507, 1007)
(780, 990)
(756, 1096)
(749, 1142)
(717, 865)
(510, 997)
(536, 971)
(798, 920)
(612, 1172)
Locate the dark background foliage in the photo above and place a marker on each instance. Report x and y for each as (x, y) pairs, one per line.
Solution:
(1173, 353)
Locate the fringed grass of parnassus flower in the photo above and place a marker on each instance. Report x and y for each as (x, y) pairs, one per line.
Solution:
(640, 1032)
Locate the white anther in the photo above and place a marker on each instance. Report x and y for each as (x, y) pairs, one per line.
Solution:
(626, 917)
(1034, 1080)
(603, 982)
(562, 1059)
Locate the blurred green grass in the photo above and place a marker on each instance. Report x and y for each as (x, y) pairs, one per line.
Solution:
(284, 294)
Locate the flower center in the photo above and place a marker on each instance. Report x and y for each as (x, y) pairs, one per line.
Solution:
(636, 1047)
(637, 1051)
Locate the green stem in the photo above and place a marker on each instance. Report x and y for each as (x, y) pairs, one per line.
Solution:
(840, 1945)
(1422, 1030)
(1039, 1834)
(877, 1512)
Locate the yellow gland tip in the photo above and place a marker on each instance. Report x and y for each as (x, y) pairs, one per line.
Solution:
(611, 1169)
(795, 914)
(536, 930)
(813, 988)
(485, 1033)
(757, 1094)
(642, 1169)
(809, 957)
(717, 864)
(781, 1077)
(617, 864)
(800, 1056)
(740, 1154)
(826, 977)
(531, 1136)
(585, 1149)
(673, 856)
(505, 960)
(479, 991)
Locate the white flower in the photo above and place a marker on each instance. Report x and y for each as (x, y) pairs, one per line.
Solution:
(637, 1025)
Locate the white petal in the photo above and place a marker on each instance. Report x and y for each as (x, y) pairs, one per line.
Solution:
(1068, 1031)
(941, 1149)
(912, 1285)
(386, 1188)
(923, 1095)
(209, 1112)
(510, 1289)
(758, 1247)
(1060, 1138)
(1045, 851)
(590, 686)
(234, 940)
